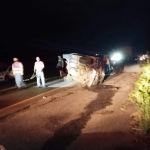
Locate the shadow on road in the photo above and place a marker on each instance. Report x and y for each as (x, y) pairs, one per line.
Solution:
(70, 131)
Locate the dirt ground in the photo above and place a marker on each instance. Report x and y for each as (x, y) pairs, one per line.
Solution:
(100, 118)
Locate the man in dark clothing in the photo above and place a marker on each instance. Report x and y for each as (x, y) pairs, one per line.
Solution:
(107, 63)
(60, 66)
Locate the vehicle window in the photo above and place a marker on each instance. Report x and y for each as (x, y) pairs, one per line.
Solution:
(3, 69)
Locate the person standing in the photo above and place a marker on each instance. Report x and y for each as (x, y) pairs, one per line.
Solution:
(60, 66)
(107, 64)
(38, 68)
(17, 70)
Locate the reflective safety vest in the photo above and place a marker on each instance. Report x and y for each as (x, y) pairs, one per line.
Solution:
(17, 68)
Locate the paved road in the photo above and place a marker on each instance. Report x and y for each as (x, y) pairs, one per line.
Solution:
(81, 110)
(132, 68)
(11, 83)
(14, 96)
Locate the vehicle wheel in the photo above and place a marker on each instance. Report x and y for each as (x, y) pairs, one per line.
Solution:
(6, 78)
(86, 60)
(118, 69)
(122, 69)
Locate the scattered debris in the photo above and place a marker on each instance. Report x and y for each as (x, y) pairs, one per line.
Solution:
(105, 112)
(134, 73)
(114, 88)
(44, 97)
(123, 109)
(69, 93)
(124, 106)
(134, 116)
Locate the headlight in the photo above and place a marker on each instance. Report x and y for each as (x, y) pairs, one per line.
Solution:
(116, 57)
(141, 58)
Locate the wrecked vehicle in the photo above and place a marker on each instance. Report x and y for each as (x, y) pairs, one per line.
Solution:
(88, 70)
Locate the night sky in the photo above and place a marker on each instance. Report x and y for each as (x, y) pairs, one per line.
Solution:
(46, 26)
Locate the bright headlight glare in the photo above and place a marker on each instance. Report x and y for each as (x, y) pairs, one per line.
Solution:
(116, 57)
(141, 58)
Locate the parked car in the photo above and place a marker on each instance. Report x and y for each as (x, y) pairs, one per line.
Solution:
(5, 73)
(88, 70)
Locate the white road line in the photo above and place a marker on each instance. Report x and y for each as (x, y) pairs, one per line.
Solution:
(33, 97)
(7, 89)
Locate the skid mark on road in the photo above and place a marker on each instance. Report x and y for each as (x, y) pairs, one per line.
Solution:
(66, 134)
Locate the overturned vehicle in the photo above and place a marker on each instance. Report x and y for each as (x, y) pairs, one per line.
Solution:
(88, 70)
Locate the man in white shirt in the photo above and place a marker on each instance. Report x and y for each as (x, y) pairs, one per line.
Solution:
(38, 68)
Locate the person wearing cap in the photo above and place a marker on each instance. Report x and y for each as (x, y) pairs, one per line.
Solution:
(38, 68)
(17, 70)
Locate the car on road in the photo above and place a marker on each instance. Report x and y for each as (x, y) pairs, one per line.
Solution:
(86, 69)
(117, 62)
(5, 73)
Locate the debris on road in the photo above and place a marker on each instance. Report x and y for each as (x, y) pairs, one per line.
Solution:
(44, 97)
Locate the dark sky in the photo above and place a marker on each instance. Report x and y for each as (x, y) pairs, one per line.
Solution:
(94, 25)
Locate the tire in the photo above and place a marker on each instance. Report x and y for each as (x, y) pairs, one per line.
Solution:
(6, 78)
(86, 60)
(122, 69)
(118, 71)
(119, 68)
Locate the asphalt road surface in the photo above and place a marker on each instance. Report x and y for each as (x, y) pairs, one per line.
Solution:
(133, 67)
(14, 96)
(11, 83)
(76, 118)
